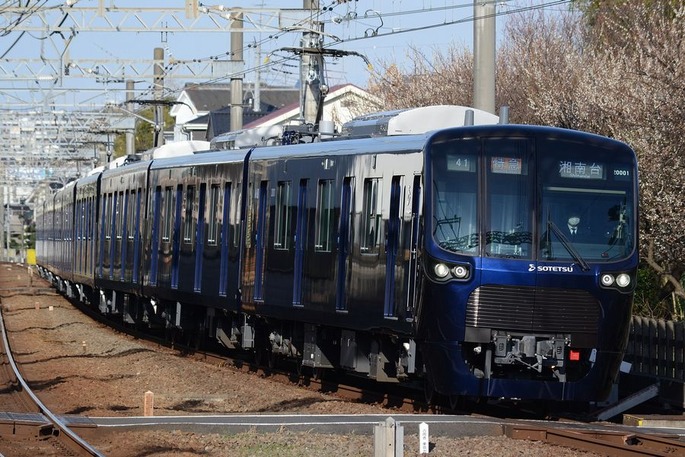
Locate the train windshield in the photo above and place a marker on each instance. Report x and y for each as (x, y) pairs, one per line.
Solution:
(587, 202)
(494, 197)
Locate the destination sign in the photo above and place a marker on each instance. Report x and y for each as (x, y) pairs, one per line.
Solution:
(461, 162)
(506, 165)
(581, 170)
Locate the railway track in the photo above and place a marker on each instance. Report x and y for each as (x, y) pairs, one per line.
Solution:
(603, 442)
(24, 417)
(576, 435)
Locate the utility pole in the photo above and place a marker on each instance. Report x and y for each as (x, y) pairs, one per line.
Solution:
(257, 90)
(484, 55)
(130, 135)
(158, 84)
(313, 88)
(237, 78)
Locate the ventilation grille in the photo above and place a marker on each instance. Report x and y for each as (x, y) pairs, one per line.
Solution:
(528, 309)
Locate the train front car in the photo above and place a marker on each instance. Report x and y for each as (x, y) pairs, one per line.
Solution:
(529, 261)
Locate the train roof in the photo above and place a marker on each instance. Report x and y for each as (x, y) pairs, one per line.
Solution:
(412, 121)
(125, 169)
(90, 179)
(206, 158)
(357, 146)
(326, 148)
(361, 146)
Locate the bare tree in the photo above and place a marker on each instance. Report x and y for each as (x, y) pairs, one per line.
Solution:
(623, 77)
(445, 80)
(619, 72)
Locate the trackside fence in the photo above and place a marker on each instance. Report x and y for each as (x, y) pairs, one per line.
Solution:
(656, 348)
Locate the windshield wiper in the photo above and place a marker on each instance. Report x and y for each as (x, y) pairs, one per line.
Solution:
(568, 245)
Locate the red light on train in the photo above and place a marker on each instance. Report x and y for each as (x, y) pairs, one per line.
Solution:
(574, 356)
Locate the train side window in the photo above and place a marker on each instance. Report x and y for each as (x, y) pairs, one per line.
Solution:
(188, 231)
(324, 216)
(168, 214)
(130, 212)
(108, 217)
(119, 211)
(237, 198)
(212, 223)
(123, 208)
(371, 216)
(283, 216)
(226, 215)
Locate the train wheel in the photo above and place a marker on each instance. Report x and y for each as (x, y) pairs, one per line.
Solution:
(299, 368)
(428, 391)
(317, 373)
(271, 359)
(456, 402)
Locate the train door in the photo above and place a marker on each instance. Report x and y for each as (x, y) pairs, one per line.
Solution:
(391, 247)
(260, 241)
(343, 243)
(92, 218)
(164, 259)
(370, 284)
(300, 242)
(115, 246)
(225, 240)
(78, 254)
(155, 235)
(278, 281)
(176, 240)
(105, 236)
(321, 286)
(186, 268)
(200, 238)
(125, 227)
(136, 236)
(412, 267)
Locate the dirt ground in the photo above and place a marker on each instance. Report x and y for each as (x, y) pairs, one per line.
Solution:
(77, 366)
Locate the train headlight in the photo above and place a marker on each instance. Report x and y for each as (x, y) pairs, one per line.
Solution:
(441, 270)
(607, 280)
(623, 280)
(460, 272)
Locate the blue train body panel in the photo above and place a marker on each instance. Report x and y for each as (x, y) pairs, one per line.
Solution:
(489, 261)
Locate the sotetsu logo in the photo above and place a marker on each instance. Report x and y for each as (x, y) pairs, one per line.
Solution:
(550, 268)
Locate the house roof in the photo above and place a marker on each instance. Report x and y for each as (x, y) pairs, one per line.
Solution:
(279, 106)
(292, 109)
(210, 97)
(219, 121)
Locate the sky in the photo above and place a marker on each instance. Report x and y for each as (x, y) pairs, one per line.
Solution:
(382, 31)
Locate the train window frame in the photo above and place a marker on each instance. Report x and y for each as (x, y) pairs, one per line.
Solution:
(235, 204)
(130, 214)
(371, 216)
(167, 205)
(189, 207)
(213, 221)
(119, 215)
(282, 216)
(108, 216)
(325, 212)
(508, 188)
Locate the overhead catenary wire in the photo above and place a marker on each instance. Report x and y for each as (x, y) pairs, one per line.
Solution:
(274, 63)
(325, 15)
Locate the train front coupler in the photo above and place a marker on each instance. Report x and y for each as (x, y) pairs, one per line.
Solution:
(544, 354)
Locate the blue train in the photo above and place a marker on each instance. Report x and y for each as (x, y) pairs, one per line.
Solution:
(483, 260)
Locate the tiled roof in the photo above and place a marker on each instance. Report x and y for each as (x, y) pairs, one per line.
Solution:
(210, 97)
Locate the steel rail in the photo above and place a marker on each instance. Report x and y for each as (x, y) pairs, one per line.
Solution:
(609, 443)
(68, 436)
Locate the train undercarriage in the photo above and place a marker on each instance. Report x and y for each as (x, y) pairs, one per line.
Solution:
(381, 357)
